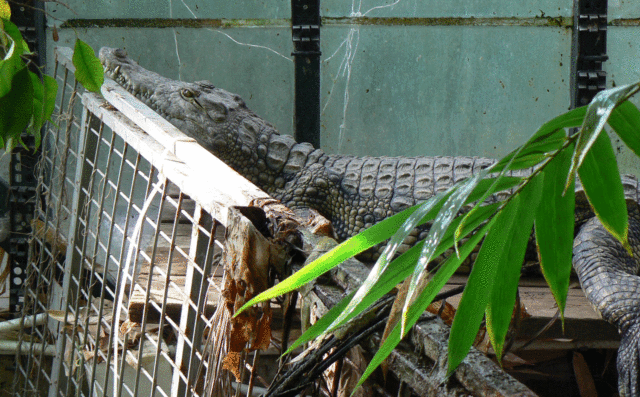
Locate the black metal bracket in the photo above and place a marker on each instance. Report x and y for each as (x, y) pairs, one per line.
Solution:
(306, 39)
(589, 50)
(22, 177)
(22, 193)
(305, 32)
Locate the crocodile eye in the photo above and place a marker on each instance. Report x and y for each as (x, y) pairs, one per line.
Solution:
(187, 93)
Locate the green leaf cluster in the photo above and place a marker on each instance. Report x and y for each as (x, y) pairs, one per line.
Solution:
(543, 201)
(27, 100)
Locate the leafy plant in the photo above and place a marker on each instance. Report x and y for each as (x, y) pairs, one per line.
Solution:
(27, 100)
(545, 198)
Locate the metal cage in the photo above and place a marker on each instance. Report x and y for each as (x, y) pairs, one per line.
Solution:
(123, 279)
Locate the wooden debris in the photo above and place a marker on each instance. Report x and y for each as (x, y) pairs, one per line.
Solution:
(584, 379)
(477, 373)
(258, 240)
(48, 234)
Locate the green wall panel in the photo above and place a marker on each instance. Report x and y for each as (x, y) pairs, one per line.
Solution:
(447, 8)
(623, 67)
(261, 76)
(108, 9)
(243, 9)
(624, 9)
(440, 90)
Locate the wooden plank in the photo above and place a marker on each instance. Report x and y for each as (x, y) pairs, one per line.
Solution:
(212, 183)
(539, 302)
(175, 299)
(205, 165)
(169, 211)
(583, 327)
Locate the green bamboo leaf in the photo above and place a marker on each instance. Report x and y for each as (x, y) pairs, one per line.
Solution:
(16, 107)
(89, 70)
(400, 269)
(402, 266)
(480, 284)
(441, 224)
(601, 182)
(385, 258)
(371, 237)
(570, 119)
(424, 300)
(554, 224)
(503, 295)
(533, 152)
(625, 121)
(537, 144)
(598, 112)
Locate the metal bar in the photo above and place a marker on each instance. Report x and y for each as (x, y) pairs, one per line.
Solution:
(75, 205)
(108, 260)
(94, 136)
(305, 32)
(196, 284)
(99, 213)
(85, 178)
(165, 294)
(151, 269)
(589, 50)
(120, 283)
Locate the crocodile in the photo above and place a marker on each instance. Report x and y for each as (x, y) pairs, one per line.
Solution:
(356, 192)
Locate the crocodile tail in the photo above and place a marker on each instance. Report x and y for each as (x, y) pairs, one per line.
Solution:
(629, 362)
(609, 279)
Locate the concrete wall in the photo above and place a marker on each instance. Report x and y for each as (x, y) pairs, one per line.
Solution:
(416, 78)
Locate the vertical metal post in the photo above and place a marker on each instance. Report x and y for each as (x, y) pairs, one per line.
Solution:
(589, 50)
(305, 29)
(196, 285)
(22, 192)
(30, 22)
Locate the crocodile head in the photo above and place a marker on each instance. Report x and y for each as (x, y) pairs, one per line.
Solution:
(199, 109)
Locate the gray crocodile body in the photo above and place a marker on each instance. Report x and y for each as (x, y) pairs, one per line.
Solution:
(356, 192)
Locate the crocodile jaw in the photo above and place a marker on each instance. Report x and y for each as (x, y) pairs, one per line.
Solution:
(199, 109)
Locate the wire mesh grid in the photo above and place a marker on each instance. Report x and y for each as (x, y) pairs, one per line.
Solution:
(123, 268)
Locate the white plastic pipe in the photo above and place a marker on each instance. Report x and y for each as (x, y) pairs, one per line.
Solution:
(30, 321)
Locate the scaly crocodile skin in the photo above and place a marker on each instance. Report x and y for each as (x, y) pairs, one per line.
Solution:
(356, 192)
(609, 279)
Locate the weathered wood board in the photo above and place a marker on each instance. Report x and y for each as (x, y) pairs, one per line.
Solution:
(172, 282)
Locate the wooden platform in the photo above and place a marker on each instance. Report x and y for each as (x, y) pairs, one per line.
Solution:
(175, 290)
(583, 327)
